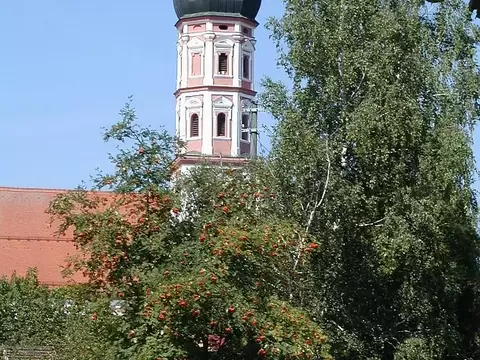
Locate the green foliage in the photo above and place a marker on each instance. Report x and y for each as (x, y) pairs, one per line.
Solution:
(372, 155)
(90, 329)
(30, 315)
(36, 318)
(416, 349)
(200, 264)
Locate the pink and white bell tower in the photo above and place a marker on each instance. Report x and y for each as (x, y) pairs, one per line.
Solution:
(215, 77)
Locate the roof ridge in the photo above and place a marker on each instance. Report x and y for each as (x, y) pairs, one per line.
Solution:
(53, 238)
(31, 189)
(48, 190)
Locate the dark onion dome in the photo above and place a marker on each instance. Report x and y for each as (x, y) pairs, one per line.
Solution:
(475, 5)
(242, 8)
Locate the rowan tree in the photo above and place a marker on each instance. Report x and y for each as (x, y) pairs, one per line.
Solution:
(198, 263)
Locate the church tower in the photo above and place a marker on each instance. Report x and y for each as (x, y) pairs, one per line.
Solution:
(215, 77)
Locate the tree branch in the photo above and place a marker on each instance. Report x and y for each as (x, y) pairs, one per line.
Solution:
(315, 207)
(375, 223)
(354, 92)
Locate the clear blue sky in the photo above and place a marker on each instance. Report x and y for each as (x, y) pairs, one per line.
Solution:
(68, 66)
(66, 69)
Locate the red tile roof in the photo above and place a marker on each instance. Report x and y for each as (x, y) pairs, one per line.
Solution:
(27, 238)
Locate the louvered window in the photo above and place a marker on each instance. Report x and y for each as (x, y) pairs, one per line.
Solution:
(223, 63)
(194, 126)
(221, 125)
(245, 127)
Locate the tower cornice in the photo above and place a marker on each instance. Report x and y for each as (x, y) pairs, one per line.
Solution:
(214, 88)
(215, 17)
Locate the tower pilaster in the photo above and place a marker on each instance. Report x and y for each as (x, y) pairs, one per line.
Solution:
(237, 59)
(209, 38)
(184, 61)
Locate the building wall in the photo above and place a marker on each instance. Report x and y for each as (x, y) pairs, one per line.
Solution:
(27, 236)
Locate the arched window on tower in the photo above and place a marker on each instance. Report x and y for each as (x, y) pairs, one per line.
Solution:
(194, 126)
(246, 67)
(221, 125)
